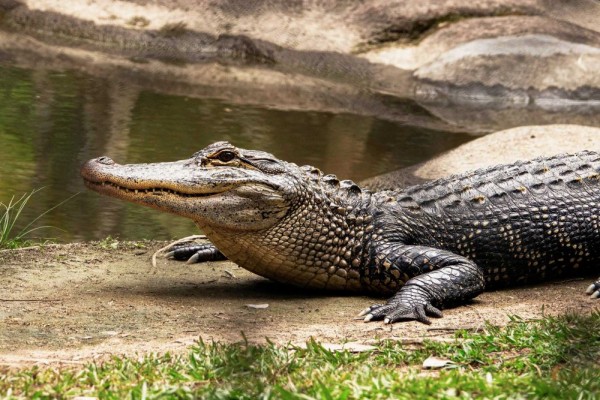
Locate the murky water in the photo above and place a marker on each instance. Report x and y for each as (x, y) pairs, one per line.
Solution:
(51, 122)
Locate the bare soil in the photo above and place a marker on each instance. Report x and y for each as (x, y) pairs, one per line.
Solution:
(73, 303)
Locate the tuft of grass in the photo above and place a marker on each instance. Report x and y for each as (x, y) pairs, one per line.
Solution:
(108, 243)
(113, 243)
(10, 213)
(553, 358)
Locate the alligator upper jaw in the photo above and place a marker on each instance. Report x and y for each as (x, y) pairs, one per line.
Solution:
(116, 190)
(139, 182)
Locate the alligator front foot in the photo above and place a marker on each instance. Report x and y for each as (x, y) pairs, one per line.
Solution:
(451, 280)
(594, 290)
(406, 305)
(188, 249)
(195, 253)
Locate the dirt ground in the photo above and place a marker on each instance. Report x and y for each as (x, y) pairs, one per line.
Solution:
(73, 303)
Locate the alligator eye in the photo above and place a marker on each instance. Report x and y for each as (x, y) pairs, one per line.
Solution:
(226, 156)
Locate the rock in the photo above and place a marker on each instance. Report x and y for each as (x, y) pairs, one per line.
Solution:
(514, 60)
(522, 69)
(258, 306)
(402, 21)
(433, 362)
(326, 25)
(483, 117)
(452, 35)
(498, 148)
(502, 54)
(350, 347)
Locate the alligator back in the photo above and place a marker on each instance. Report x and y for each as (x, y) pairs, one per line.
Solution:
(522, 222)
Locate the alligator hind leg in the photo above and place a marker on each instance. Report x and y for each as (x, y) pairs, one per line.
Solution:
(594, 290)
(196, 253)
(440, 279)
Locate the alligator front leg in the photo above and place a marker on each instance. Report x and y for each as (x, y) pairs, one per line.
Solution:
(439, 279)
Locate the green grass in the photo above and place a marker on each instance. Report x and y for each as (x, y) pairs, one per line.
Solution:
(553, 358)
(113, 243)
(9, 215)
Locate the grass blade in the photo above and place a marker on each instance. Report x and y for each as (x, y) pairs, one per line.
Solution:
(11, 213)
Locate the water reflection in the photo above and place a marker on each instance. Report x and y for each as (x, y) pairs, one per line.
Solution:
(51, 122)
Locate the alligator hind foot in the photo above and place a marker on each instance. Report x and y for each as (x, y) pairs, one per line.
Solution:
(594, 290)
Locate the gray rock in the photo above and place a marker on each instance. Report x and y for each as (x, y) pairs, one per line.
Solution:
(514, 62)
(519, 69)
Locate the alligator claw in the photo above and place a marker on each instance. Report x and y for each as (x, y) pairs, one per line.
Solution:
(368, 310)
(170, 254)
(401, 309)
(418, 312)
(193, 259)
(594, 290)
(390, 313)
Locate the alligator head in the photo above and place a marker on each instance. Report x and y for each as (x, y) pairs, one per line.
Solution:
(277, 219)
(220, 186)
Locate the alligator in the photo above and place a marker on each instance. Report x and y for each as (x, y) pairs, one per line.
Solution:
(429, 246)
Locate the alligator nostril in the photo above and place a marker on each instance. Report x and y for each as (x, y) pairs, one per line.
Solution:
(105, 160)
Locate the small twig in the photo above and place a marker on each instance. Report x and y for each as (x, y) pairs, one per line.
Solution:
(452, 328)
(21, 248)
(230, 274)
(37, 246)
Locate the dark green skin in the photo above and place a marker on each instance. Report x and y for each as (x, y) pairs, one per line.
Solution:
(432, 246)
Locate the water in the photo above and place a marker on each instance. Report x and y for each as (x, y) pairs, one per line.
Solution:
(52, 121)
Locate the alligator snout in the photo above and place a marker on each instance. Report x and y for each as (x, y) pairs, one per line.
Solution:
(93, 169)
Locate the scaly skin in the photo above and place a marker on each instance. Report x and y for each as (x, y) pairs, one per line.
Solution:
(432, 246)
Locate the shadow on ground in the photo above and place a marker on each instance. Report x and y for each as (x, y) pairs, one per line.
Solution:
(73, 303)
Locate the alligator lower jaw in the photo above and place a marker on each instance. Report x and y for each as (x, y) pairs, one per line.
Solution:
(115, 190)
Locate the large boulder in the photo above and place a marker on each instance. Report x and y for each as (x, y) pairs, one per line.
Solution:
(498, 148)
(503, 61)
(538, 57)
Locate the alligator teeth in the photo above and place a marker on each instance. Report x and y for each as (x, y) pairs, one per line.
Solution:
(154, 191)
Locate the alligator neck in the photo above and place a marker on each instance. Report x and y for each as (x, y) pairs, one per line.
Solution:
(323, 241)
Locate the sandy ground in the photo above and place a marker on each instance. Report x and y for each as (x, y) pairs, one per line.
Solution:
(73, 303)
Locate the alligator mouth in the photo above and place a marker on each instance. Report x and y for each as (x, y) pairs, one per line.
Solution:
(108, 186)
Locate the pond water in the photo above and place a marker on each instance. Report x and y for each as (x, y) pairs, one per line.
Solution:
(52, 121)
